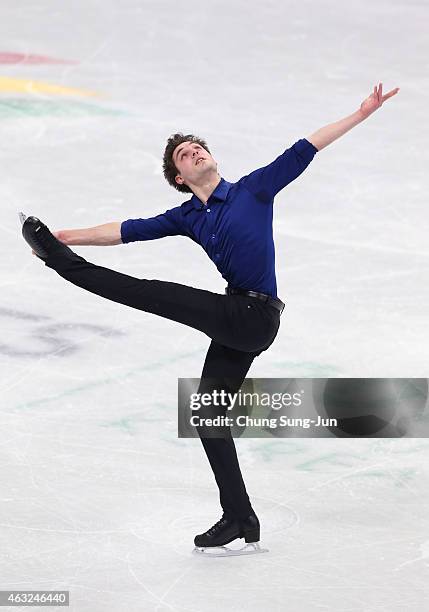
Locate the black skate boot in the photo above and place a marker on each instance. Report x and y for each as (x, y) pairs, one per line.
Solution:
(226, 530)
(40, 238)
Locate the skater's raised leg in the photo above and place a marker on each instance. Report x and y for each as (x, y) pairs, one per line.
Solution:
(236, 321)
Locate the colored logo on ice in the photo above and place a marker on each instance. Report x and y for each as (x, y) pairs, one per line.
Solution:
(34, 98)
(26, 58)
(38, 87)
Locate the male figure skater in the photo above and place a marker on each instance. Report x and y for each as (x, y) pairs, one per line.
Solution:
(233, 223)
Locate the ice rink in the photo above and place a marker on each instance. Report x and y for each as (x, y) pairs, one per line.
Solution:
(98, 495)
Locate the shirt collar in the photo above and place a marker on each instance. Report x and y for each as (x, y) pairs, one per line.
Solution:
(219, 194)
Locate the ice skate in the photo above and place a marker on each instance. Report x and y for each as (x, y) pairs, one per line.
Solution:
(228, 551)
(38, 236)
(213, 542)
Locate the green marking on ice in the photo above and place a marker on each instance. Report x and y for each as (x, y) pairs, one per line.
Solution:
(12, 108)
(129, 423)
(335, 459)
(311, 369)
(268, 451)
(126, 424)
(103, 381)
(400, 477)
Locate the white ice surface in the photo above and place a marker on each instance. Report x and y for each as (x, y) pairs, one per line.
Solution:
(97, 494)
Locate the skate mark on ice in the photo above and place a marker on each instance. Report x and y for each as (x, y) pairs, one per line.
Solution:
(424, 555)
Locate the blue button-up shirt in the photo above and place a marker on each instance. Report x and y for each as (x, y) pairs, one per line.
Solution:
(235, 227)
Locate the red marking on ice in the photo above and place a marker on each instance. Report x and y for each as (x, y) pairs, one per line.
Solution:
(23, 58)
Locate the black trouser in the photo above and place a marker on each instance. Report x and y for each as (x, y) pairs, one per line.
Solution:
(240, 327)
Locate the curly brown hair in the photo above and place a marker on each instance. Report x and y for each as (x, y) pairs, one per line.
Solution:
(168, 167)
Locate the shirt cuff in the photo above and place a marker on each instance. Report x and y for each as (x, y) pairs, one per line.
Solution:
(306, 149)
(127, 234)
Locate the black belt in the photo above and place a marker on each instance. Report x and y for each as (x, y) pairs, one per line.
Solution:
(268, 299)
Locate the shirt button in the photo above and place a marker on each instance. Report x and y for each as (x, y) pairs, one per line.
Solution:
(208, 210)
(213, 236)
(217, 255)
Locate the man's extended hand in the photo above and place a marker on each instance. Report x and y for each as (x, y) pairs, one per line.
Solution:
(376, 99)
(331, 132)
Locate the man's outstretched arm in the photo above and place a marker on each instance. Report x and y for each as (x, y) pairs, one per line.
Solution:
(100, 235)
(168, 223)
(331, 132)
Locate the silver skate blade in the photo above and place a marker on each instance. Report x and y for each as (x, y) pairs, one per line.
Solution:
(22, 217)
(224, 551)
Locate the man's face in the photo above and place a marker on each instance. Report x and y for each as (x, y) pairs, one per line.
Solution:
(193, 163)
